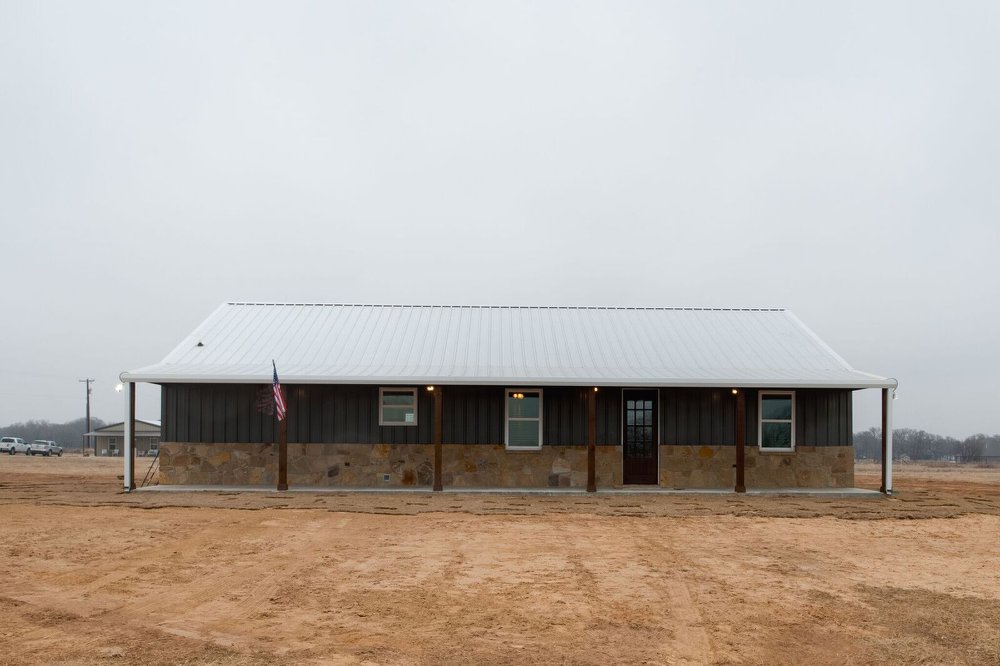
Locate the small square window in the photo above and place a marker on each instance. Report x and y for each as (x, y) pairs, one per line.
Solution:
(397, 406)
(776, 423)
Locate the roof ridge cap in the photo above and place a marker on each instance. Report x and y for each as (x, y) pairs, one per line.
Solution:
(508, 307)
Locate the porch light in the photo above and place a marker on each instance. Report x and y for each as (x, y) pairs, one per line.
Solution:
(595, 389)
(517, 396)
(735, 391)
(430, 388)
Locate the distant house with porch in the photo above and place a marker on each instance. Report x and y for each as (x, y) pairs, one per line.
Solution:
(389, 396)
(110, 440)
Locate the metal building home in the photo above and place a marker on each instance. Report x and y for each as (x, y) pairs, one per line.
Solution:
(447, 397)
(110, 440)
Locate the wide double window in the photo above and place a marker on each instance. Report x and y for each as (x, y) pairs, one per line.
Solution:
(524, 419)
(776, 426)
(397, 406)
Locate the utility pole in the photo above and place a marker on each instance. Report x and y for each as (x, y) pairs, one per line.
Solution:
(87, 381)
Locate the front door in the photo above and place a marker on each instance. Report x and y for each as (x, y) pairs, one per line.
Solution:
(639, 454)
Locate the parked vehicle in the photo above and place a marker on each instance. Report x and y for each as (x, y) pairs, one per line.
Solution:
(13, 445)
(44, 447)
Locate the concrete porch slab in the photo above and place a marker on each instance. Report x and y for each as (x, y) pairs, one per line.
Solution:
(830, 493)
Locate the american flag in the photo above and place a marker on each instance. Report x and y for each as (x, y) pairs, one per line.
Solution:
(279, 399)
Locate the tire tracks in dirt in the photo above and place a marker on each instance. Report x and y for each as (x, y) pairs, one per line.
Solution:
(691, 643)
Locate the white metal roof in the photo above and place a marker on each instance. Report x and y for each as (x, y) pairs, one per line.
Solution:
(539, 346)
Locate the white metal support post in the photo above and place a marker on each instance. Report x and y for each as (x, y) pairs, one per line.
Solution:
(128, 478)
(889, 396)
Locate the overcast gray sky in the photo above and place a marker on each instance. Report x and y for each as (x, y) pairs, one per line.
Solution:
(839, 159)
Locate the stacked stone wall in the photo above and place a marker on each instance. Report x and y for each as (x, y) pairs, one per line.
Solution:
(387, 465)
(218, 464)
(807, 467)
(493, 466)
(319, 465)
(714, 467)
(361, 465)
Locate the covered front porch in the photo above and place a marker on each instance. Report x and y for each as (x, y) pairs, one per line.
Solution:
(595, 456)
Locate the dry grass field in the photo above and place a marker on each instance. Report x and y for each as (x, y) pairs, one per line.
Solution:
(91, 575)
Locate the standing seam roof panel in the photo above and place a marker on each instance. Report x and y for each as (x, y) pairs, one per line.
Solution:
(346, 343)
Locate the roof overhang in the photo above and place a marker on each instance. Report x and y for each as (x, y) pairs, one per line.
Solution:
(154, 377)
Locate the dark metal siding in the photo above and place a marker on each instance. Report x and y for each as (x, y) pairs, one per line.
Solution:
(609, 416)
(697, 416)
(474, 415)
(349, 414)
(565, 416)
(316, 413)
(823, 417)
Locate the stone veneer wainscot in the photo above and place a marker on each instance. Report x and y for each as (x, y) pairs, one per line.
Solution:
(492, 466)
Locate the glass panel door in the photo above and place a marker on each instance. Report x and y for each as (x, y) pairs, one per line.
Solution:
(639, 439)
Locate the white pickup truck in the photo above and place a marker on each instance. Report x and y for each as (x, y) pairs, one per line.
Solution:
(44, 447)
(13, 445)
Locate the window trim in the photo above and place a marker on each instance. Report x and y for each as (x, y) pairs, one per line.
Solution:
(399, 389)
(761, 421)
(507, 418)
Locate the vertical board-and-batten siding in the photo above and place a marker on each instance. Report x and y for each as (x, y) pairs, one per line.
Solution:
(228, 413)
(691, 417)
(474, 415)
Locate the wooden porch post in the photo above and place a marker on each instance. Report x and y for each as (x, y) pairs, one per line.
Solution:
(741, 439)
(438, 435)
(592, 441)
(283, 453)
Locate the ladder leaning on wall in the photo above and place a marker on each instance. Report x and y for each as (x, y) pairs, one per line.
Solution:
(151, 473)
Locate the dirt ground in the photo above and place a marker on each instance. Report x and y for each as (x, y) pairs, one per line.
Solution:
(91, 575)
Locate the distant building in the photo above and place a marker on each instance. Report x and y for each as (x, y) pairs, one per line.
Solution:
(991, 451)
(509, 397)
(110, 440)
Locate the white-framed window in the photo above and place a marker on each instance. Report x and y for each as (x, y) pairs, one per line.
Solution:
(397, 406)
(154, 445)
(523, 419)
(776, 420)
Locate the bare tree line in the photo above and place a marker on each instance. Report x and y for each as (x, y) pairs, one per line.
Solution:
(922, 445)
(69, 434)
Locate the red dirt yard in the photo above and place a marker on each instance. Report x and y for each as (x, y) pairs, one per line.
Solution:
(92, 575)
